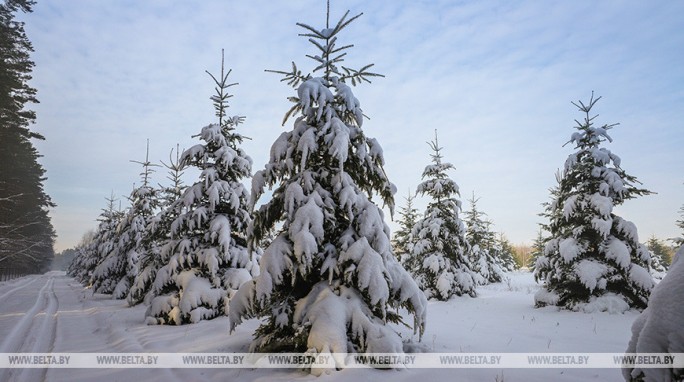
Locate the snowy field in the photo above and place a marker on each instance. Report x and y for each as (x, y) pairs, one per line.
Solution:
(54, 313)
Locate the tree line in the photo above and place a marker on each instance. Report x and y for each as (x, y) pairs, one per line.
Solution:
(26, 232)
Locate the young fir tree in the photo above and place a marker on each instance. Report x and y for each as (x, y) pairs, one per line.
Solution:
(402, 240)
(159, 230)
(116, 272)
(550, 213)
(329, 280)
(538, 246)
(659, 257)
(207, 254)
(593, 259)
(88, 254)
(76, 268)
(679, 241)
(505, 253)
(485, 253)
(441, 249)
(82, 266)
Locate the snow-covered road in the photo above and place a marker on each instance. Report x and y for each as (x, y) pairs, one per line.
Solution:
(53, 313)
(28, 322)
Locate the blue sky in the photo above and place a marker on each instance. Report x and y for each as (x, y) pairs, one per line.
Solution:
(494, 78)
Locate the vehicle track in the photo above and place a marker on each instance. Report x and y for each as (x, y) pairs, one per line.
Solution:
(34, 333)
(18, 287)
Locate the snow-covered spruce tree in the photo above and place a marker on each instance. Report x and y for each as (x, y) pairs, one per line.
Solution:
(593, 259)
(103, 242)
(659, 257)
(402, 240)
(80, 267)
(85, 250)
(159, 230)
(505, 253)
(76, 268)
(538, 246)
(207, 254)
(329, 280)
(550, 213)
(679, 241)
(659, 328)
(441, 249)
(484, 248)
(116, 272)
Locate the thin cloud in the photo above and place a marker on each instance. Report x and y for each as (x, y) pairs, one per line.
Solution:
(496, 80)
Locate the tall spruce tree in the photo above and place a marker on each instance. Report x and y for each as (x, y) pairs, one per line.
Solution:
(402, 240)
(329, 280)
(441, 249)
(593, 259)
(207, 254)
(26, 233)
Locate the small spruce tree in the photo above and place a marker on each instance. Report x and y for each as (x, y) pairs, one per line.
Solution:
(659, 257)
(484, 247)
(679, 241)
(159, 231)
(96, 249)
(441, 249)
(537, 248)
(505, 253)
(593, 259)
(116, 272)
(207, 254)
(402, 241)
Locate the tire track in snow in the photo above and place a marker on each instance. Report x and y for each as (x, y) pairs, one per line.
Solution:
(14, 340)
(28, 336)
(18, 287)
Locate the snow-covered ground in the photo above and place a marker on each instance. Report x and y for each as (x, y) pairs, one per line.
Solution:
(53, 313)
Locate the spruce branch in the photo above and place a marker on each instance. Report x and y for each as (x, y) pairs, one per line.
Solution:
(293, 77)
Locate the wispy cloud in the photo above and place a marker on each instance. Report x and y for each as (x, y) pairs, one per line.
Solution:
(496, 80)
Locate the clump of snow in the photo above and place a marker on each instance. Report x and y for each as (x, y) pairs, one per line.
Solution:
(608, 302)
(569, 206)
(569, 249)
(617, 250)
(333, 311)
(191, 306)
(312, 92)
(545, 297)
(602, 226)
(603, 204)
(641, 277)
(591, 273)
(660, 328)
